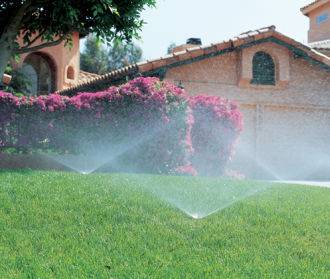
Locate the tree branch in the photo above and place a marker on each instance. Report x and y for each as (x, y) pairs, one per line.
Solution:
(35, 39)
(38, 47)
(13, 24)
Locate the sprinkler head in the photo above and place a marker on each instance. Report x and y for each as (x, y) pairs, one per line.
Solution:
(195, 216)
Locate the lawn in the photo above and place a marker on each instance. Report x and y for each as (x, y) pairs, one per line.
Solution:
(67, 225)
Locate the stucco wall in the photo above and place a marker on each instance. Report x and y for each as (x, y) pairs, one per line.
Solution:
(62, 57)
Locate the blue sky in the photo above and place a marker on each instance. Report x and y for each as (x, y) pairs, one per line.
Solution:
(216, 20)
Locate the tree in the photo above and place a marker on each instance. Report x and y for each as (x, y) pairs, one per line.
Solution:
(122, 54)
(52, 22)
(20, 84)
(94, 58)
(171, 47)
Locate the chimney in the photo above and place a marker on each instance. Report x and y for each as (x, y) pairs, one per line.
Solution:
(190, 43)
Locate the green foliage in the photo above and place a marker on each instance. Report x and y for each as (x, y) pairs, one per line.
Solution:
(65, 225)
(94, 58)
(99, 59)
(20, 84)
(171, 47)
(108, 19)
(54, 22)
(122, 54)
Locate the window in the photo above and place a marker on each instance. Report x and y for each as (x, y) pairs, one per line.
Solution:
(70, 73)
(322, 18)
(263, 69)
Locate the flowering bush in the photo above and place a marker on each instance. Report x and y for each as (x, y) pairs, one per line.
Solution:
(142, 123)
(217, 124)
(8, 109)
(147, 125)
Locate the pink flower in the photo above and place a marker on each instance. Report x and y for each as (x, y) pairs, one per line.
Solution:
(189, 170)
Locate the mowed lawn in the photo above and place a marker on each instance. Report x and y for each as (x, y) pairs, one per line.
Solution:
(67, 225)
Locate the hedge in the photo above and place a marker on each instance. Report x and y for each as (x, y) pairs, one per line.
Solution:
(148, 124)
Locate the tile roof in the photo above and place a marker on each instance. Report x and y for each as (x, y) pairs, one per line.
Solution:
(325, 51)
(86, 76)
(246, 39)
(308, 8)
(320, 44)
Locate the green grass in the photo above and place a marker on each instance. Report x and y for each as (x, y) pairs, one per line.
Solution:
(65, 225)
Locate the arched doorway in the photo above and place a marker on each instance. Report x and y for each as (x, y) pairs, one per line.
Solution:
(39, 69)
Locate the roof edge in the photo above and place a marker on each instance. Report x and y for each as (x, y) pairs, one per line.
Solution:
(312, 6)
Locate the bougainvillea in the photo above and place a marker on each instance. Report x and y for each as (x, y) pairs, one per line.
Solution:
(217, 124)
(146, 125)
(142, 123)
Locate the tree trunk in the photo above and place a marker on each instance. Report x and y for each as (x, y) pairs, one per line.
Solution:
(9, 36)
(5, 54)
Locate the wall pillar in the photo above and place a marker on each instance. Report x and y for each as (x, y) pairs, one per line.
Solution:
(258, 134)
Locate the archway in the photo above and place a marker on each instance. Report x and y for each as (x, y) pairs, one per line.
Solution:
(40, 71)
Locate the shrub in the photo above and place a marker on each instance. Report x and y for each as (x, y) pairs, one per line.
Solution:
(217, 124)
(145, 125)
(142, 123)
(8, 108)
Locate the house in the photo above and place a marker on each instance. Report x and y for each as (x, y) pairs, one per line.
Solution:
(53, 68)
(281, 85)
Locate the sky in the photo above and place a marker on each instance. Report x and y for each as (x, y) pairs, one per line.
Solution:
(217, 20)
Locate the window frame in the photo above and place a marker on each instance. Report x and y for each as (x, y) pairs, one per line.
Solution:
(259, 81)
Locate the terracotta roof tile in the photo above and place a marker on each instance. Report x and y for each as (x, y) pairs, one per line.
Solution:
(321, 44)
(86, 76)
(101, 78)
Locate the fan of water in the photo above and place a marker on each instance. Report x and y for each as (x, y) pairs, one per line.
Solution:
(200, 197)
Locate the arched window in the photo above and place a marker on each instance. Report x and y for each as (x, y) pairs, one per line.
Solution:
(40, 72)
(263, 69)
(70, 73)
